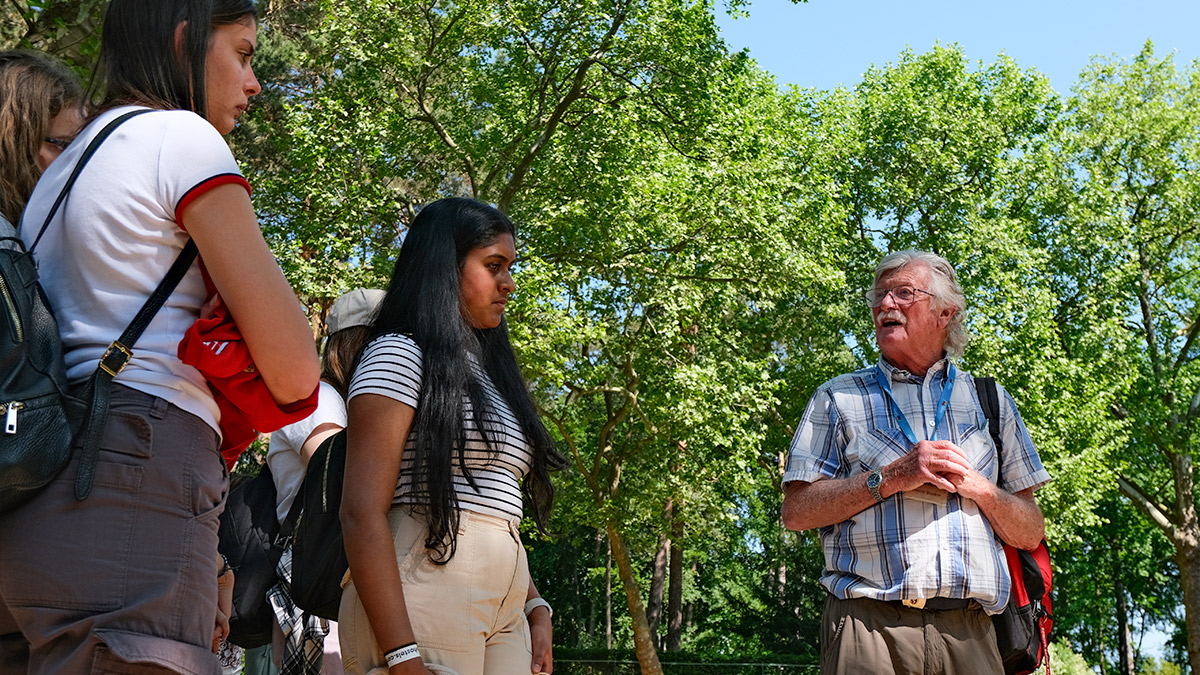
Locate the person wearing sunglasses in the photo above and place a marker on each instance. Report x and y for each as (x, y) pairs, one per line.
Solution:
(895, 464)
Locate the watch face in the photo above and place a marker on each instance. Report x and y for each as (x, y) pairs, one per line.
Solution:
(875, 479)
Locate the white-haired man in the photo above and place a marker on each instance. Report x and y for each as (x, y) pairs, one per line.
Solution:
(895, 465)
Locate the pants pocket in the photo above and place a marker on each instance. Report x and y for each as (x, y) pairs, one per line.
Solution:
(439, 596)
(41, 550)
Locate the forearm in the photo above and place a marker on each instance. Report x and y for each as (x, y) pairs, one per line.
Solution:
(541, 634)
(376, 575)
(1016, 518)
(824, 502)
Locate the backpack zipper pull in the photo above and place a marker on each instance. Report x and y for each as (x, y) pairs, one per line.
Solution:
(10, 417)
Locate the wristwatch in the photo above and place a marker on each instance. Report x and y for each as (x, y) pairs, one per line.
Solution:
(874, 480)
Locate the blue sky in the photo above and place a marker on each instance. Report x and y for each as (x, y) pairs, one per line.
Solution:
(824, 43)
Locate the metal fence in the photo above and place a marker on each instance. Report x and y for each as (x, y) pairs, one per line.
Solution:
(602, 667)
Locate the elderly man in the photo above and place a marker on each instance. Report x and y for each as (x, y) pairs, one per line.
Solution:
(895, 465)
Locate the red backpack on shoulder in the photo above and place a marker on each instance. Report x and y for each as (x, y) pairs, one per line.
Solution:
(1023, 628)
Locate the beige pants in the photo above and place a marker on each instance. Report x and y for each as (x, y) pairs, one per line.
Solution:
(882, 638)
(467, 614)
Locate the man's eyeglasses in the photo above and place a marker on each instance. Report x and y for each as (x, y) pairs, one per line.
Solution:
(60, 143)
(903, 295)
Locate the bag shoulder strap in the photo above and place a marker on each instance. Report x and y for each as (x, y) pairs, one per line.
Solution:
(120, 352)
(989, 401)
(83, 160)
(288, 526)
(114, 360)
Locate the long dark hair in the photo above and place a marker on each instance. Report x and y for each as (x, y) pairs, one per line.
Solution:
(138, 59)
(423, 301)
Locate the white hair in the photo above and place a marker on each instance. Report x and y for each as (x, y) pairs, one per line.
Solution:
(946, 291)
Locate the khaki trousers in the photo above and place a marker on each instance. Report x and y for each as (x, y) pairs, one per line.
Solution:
(860, 636)
(468, 615)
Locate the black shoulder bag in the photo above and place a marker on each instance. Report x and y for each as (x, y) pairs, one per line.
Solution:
(42, 419)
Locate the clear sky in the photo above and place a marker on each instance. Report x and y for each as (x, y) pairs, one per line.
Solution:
(824, 43)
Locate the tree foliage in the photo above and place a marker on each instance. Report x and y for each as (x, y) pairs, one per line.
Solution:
(693, 242)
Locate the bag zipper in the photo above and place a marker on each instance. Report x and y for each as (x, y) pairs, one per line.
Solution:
(12, 309)
(10, 416)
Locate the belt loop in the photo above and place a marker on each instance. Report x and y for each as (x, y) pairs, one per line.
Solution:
(158, 408)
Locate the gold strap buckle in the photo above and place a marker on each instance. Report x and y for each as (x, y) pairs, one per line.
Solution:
(915, 603)
(115, 358)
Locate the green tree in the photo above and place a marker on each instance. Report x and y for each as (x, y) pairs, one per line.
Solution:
(654, 178)
(1120, 232)
(68, 29)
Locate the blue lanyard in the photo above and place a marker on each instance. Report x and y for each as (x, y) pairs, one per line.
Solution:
(943, 403)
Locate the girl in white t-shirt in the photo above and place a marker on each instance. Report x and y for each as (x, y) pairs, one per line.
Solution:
(127, 578)
(443, 442)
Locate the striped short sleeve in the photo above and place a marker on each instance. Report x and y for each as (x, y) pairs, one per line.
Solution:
(391, 367)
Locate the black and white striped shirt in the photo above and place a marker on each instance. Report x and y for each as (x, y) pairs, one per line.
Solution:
(391, 367)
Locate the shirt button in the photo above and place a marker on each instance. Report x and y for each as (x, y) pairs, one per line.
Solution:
(931, 423)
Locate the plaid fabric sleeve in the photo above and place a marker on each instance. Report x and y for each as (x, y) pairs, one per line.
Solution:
(1022, 467)
(817, 450)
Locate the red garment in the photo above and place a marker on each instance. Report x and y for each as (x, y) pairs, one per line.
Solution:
(215, 347)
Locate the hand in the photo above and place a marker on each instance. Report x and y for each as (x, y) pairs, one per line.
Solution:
(209, 308)
(972, 485)
(224, 607)
(933, 462)
(541, 634)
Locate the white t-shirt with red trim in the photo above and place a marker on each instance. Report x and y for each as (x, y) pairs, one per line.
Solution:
(116, 235)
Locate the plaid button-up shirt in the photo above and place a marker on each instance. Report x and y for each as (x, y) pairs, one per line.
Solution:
(911, 546)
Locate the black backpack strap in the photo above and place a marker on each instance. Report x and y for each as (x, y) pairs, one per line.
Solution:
(288, 526)
(98, 388)
(83, 160)
(989, 401)
(115, 359)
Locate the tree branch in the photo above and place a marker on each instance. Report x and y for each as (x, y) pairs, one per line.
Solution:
(517, 179)
(1154, 511)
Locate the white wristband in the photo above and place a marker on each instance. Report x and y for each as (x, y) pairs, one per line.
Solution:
(535, 603)
(401, 654)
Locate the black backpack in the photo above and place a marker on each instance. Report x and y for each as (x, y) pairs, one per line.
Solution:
(318, 554)
(252, 540)
(1023, 628)
(41, 417)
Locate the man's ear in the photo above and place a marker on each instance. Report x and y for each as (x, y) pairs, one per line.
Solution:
(945, 316)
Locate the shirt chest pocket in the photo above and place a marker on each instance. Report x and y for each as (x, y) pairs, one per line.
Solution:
(875, 447)
(976, 443)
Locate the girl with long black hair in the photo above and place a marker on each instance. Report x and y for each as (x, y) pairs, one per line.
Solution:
(444, 445)
(126, 579)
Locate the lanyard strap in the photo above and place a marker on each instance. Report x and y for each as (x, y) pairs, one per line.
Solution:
(943, 403)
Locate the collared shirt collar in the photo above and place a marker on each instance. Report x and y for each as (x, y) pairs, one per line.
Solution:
(898, 375)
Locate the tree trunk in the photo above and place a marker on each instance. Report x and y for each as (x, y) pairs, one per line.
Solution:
(1187, 547)
(1188, 560)
(654, 608)
(1124, 645)
(608, 634)
(642, 642)
(675, 591)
